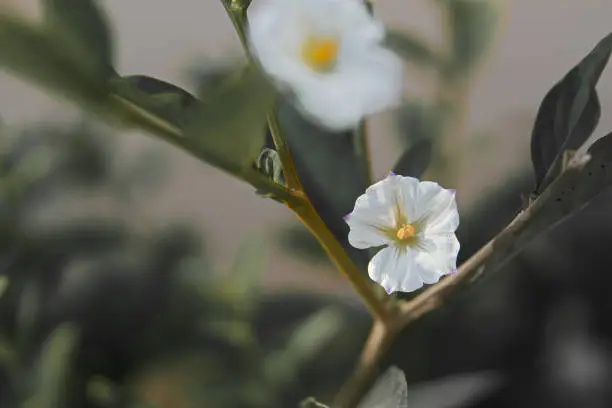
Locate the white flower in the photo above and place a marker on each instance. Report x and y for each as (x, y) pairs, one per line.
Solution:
(329, 54)
(416, 221)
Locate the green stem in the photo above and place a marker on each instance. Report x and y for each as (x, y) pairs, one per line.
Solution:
(303, 207)
(141, 118)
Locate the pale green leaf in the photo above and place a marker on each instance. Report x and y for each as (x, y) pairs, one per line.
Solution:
(231, 124)
(54, 367)
(411, 48)
(4, 282)
(28, 52)
(82, 23)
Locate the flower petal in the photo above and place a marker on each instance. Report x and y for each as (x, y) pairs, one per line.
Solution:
(373, 215)
(436, 207)
(395, 270)
(437, 256)
(365, 82)
(367, 77)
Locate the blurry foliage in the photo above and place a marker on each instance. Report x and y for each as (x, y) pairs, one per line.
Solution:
(138, 301)
(95, 312)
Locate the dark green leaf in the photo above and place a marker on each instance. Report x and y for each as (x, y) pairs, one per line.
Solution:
(568, 114)
(332, 172)
(574, 189)
(83, 23)
(28, 52)
(307, 340)
(410, 48)
(414, 161)
(230, 124)
(389, 391)
(54, 368)
(472, 25)
(161, 98)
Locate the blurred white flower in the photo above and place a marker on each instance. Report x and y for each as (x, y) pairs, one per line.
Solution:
(329, 54)
(416, 220)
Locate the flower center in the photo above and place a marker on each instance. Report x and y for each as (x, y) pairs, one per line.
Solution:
(406, 232)
(320, 53)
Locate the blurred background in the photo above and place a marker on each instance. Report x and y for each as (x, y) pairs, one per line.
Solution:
(107, 224)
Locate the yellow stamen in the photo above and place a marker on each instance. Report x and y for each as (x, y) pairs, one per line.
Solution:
(320, 53)
(406, 232)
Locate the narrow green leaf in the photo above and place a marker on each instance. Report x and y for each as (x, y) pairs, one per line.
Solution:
(4, 282)
(575, 188)
(414, 161)
(411, 48)
(472, 26)
(165, 100)
(30, 53)
(230, 124)
(418, 121)
(313, 334)
(250, 264)
(311, 402)
(83, 23)
(307, 339)
(54, 369)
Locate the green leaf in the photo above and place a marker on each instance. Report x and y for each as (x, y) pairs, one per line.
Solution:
(411, 48)
(306, 341)
(389, 391)
(230, 125)
(54, 369)
(418, 121)
(4, 282)
(568, 114)
(414, 161)
(250, 264)
(83, 23)
(165, 100)
(311, 402)
(575, 187)
(30, 53)
(332, 172)
(472, 25)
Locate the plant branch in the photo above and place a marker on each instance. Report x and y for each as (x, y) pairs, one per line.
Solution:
(289, 172)
(310, 218)
(432, 298)
(130, 113)
(302, 207)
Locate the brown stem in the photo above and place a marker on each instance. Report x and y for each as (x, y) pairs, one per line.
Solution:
(310, 218)
(380, 339)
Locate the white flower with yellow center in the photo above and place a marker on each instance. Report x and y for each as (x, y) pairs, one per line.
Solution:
(416, 221)
(329, 54)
